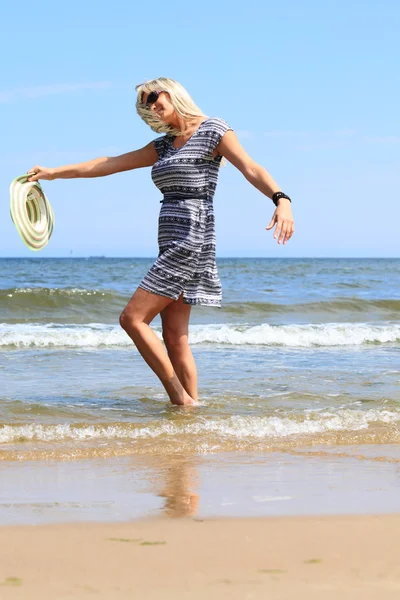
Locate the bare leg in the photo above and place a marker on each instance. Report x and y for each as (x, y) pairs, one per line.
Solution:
(175, 322)
(135, 320)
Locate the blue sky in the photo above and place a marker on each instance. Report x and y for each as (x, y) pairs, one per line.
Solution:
(311, 88)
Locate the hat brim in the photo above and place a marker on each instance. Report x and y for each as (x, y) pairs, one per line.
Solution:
(31, 212)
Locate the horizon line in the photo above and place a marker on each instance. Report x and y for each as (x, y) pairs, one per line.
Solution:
(218, 257)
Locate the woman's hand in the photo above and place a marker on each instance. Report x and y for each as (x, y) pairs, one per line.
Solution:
(231, 149)
(37, 173)
(283, 219)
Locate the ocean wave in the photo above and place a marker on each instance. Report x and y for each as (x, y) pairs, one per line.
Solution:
(239, 428)
(47, 297)
(98, 335)
(45, 292)
(61, 305)
(27, 302)
(337, 305)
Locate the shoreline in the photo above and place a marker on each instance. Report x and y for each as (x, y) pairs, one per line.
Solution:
(313, 481)
(278, 557)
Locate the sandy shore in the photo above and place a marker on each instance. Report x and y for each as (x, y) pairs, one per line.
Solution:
(278, 558)
(227, 485)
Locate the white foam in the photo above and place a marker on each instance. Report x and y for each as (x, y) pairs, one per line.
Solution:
(331, 334)
(232, 428)
(57, 291)
(96, 335)
(93, 335)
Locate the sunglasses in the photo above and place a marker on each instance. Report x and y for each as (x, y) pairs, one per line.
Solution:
(152, 97)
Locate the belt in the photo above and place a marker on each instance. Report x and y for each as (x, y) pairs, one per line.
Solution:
(176, 199)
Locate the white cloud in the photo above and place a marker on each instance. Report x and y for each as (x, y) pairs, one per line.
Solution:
(344, 132)
(46, 90)
(320, 140)
(57, 156)
(281, 133)
(320, 145)
(310, 134)
(383, 139)
(244, 133)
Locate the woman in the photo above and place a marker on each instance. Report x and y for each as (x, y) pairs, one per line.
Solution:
(185, 163)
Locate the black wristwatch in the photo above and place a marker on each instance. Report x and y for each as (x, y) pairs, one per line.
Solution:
(277, 196)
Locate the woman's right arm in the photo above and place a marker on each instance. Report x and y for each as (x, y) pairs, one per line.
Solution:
(99, 167)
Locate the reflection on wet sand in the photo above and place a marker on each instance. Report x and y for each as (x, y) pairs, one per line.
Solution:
(178, 489)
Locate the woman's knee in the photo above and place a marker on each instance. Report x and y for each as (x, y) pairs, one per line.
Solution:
(142, 308)
(174, 340)
(128, 319)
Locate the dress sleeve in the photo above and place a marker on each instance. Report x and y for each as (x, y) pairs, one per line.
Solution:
(217, 128)
(159, 145)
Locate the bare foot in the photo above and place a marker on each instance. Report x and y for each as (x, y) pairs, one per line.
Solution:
(185, 400)
(177, 393)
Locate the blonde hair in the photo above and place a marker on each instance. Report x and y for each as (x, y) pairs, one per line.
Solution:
(181, 100)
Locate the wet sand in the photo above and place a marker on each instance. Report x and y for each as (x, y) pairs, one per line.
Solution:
(315, 482)
(281, 558)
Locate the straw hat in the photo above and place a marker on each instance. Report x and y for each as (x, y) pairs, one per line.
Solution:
(31, 212)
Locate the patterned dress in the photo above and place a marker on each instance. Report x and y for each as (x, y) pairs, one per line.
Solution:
(187, 178)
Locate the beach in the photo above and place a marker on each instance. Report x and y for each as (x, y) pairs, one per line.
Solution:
(282, 483)
(282, 558)
(294, 525)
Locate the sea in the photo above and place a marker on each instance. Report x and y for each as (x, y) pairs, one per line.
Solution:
(303, 356)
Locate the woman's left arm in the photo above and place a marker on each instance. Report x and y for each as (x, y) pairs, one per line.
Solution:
(232, 150)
